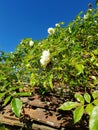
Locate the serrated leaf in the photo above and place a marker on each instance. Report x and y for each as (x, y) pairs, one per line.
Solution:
(16, 106)
(7, 99)
(78, 113)
(89, 109)
(93, 122)
(79, 98)
(87, 97)
(95, 102)
(95, 94)
(68, 105)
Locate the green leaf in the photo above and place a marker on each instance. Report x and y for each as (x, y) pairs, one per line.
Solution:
(79, 68)
(50, 81)
(23, 94)
(15, 88)
(16, 106)
(97, 2)
(89, 109)
(95, 102)
(2, 77)
(69, 105)
(93, 122)
(2, 95)
(79, 98)
(96, 51)
(2, 127)
(96, 64)
(95, 94)
(7, 99)
(87, 97)
(78, 113)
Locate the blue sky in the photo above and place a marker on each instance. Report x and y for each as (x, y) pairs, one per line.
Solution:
(31, 18)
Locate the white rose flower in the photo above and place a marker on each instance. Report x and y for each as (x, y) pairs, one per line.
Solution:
(86, 16)
(45, 58)
(46, 53)
(31, 43)
(51, 31)
(57, 25)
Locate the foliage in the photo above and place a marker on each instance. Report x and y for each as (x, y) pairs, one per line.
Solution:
(9, 83)
(96, 2)
(84, 105)
(2, 127)
(16, 106)
(73, 59)
(66, 59)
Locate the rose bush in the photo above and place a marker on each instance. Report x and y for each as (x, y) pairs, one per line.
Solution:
(74, 56)
(66, 59)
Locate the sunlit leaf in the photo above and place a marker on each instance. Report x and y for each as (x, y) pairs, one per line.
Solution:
(95, 94)
(79, 68)
(87, 97)
(15, 88)
(2, 95)
(24, 94)
(51, 81)
(93, 122)
(69, 105)
(95, 102)
(16, 106)
(96, 51)
(89, 109)
(7, 99)
(78, 113)
(79, 98)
